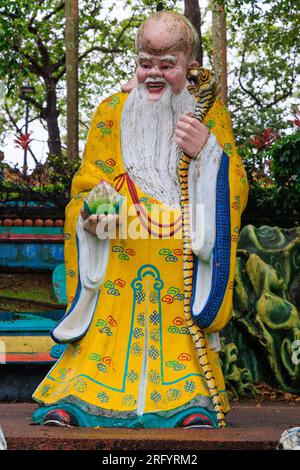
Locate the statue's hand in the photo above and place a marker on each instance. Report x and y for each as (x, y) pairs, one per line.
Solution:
(105, 223)
(191, 135)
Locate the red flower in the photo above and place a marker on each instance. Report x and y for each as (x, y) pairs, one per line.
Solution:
(265, 139)
(23, 141)
(256, 142)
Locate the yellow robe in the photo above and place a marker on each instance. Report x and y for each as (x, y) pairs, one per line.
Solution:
(137, 357)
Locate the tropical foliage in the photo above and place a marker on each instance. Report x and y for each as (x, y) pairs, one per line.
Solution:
(274, 177)
(263, 64)
(263, 51)
(32, 49)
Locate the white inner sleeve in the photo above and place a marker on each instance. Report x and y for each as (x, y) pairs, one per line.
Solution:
(202, 182)
(93, 258)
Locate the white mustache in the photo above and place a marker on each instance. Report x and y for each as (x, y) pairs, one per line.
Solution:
(157, 79)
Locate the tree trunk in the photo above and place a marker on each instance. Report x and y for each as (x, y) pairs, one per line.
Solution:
(50, 114)
(219, 43)
(193, 13)
(71, 41)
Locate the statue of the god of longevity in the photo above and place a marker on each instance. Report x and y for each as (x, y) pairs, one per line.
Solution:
(150, 247)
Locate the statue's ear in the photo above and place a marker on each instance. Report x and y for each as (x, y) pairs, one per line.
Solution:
(193, 72)
(193, 64)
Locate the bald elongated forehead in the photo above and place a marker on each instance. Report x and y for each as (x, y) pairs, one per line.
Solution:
(167, 32)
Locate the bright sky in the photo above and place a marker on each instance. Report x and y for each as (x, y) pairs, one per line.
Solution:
(15, 155)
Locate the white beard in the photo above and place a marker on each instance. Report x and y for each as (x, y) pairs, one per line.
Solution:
(150, 154)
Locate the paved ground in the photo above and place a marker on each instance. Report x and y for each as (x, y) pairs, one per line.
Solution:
(250, 426)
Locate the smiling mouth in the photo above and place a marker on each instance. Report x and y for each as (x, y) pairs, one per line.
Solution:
(155, 87)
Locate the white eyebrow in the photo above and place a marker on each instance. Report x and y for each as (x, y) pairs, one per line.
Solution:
(168, 58)
(143, 57)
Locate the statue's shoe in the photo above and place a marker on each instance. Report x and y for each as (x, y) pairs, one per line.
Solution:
(197, 420)
(59, 417)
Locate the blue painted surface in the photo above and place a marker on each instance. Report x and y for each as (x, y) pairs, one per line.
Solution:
(31, 255)
(37, 254)
(11, 316)
(28, 324)
(32, 230)
(57, 350)
(28, 204)
(59, 284)
(31, 324)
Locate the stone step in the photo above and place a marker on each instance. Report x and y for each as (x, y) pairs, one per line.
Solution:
(251, 426)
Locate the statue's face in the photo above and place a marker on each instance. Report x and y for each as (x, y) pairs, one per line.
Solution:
(158, 70)
(163, 57)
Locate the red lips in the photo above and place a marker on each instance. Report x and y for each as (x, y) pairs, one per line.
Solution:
(155, 87)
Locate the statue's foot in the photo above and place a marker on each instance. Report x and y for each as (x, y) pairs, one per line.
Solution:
(59, 417)
(197, 420)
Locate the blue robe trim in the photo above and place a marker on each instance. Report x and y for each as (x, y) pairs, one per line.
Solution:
(220, 254)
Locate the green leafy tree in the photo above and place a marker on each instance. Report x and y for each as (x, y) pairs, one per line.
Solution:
(273, 168)
(32, 49)
(264, 55)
